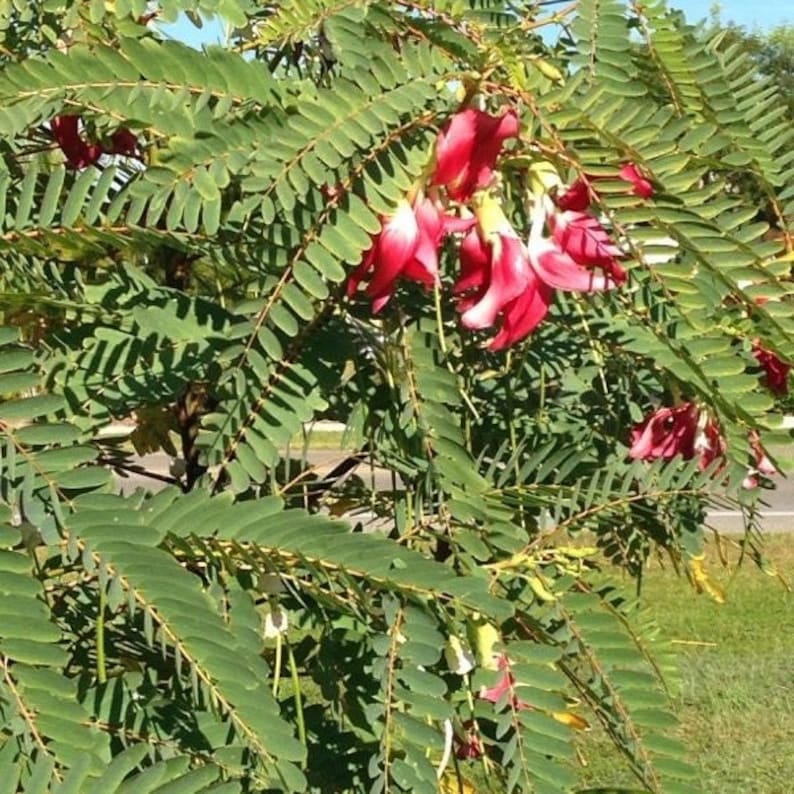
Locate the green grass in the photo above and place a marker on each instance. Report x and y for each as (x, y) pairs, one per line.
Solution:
(736, 694)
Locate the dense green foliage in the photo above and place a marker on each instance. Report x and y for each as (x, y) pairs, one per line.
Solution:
(197, 283)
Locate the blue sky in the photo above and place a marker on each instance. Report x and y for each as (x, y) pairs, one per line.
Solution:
(764, 14)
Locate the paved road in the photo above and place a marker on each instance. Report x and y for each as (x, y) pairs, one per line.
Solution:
(777, 516)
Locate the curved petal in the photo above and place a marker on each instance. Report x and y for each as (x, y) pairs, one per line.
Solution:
(584, 239)
(640, 185)
(524, 314)
(467, 149)
(559, 270)
(474, 264)
(395, 246)
(509, 277)
(454, 147)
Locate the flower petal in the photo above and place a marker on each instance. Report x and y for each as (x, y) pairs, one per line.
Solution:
(508, 278)
(557, 269)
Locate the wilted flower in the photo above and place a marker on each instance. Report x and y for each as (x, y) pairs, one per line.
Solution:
(275, 621)
(406, 247)
(460, 660)
(469, 745)
(776, 371)
(762, 465)
(467, 149)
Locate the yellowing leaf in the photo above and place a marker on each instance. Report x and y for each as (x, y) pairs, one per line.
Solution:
(699, 577)
(571, 720)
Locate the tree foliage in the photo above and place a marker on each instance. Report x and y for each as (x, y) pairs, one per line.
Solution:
(260, 623)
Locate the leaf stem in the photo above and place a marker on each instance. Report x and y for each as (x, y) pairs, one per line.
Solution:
(296, 688)
(101, 669)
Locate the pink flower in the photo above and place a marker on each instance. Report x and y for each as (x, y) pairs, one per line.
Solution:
(776, 371)
(497, 278)
(762, 463)
(406, 246)
(499, 268)
(640, 185)
(684, 430)
(504, 689)
(586, 241)
(578, 196)
(78, 152)
(467, 149)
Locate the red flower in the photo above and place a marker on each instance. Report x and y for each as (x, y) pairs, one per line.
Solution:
(497, 275)
(467, 149)
(517, 281)
(586, 241)
(640, 185)
(78, 153)
(406, 246)
(122, 141)
(777, 371)
(683, 430)
(666, 433)
(578, 196)
(500, 270)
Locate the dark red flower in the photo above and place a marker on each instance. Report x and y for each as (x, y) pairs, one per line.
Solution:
(78, 153)
(666, 433)
(776, 371)
(467, 149)
(123, 142)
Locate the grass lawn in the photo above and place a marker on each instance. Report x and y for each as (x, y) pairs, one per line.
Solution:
(736, 698)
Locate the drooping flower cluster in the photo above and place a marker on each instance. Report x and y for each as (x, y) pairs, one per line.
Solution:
(690, 432)
(81, 153)
(504, 281)
(684, 430)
